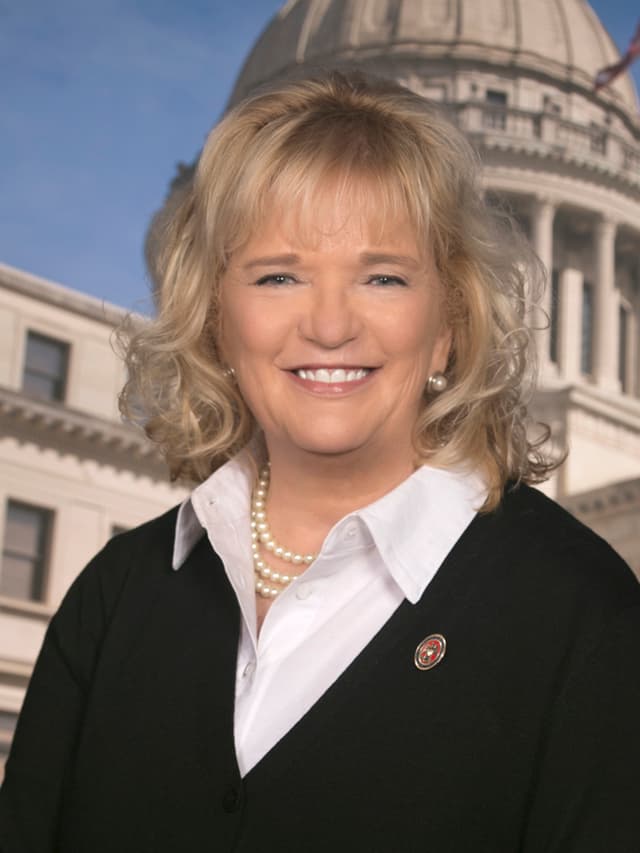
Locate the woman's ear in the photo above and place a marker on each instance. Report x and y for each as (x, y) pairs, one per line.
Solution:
(442, 350)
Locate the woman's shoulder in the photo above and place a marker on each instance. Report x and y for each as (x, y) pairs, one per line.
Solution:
(149, 542)
(532, 514)
(126, 561)
(529, 571)
(157, 533)
(541, 546)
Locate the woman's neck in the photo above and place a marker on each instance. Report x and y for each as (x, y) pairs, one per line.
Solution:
(309, 493)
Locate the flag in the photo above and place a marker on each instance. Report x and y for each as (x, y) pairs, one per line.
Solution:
(608, 74)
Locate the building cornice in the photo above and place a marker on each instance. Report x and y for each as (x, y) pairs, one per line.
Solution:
(619, 409)
(52, 293)
(621, 497)
(56, 419)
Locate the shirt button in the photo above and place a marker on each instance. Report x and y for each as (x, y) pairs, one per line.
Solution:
(249, 669)
(350, 532)
(304, 591)
(231, 799)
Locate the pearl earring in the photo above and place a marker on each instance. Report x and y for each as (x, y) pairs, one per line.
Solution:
(230, 373)
(437, 383)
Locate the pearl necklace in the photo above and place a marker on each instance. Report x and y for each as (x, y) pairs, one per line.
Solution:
(261, 535)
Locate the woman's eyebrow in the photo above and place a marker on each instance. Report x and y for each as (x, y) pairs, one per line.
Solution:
(366, 258)
(273, 261)
(371, 258)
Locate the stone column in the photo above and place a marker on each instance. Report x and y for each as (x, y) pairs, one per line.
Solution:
(569, 338)
(542, 213)
(606, 305)
(634, 348)
(631, 354)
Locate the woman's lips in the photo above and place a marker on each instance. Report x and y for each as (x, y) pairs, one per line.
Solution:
(332, 381)
(332, 374)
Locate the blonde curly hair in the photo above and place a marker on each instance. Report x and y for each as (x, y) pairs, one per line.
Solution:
(283, 144)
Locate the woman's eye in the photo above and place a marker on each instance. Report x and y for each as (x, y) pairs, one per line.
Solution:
(276, 278)
(387, 280)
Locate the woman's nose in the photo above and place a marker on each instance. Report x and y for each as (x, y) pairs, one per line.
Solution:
(330, 319)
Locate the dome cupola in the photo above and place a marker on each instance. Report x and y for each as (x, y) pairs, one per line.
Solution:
(560, 40)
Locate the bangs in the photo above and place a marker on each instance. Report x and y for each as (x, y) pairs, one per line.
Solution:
(304, 175)
(303, 200)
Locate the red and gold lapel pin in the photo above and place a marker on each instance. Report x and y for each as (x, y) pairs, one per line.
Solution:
(430, 651)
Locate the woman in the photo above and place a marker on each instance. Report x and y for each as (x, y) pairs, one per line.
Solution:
(364, 630)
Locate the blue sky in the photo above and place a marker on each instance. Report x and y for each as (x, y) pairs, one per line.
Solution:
(100, 99)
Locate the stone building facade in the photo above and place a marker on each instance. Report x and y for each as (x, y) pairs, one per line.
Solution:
(71, 473)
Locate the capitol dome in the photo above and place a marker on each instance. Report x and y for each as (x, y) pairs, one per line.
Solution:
(562, 40)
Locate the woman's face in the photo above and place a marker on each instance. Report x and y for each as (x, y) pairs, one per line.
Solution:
(334, 333)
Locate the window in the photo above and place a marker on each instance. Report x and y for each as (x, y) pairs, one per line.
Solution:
(586, 348)
(623, 346)
(549, 105)
(27, 534)
(493, 96)
(597, 139)
(554, 316)
(495, 117)
(45, 367)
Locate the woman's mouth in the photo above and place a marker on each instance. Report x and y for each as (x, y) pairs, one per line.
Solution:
(338, 375)
(333, 381)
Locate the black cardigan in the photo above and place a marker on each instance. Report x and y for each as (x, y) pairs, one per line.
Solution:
(524, 738)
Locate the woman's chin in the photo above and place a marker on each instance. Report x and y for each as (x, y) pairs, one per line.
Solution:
(338, 443)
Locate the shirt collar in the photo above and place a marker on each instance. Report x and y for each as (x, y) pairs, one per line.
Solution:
(226, 492)
(413, 527)
(417, 524)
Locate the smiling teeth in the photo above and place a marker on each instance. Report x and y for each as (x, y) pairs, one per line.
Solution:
(328, 376)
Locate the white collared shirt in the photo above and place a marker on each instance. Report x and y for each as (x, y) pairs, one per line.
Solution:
(369, 563)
